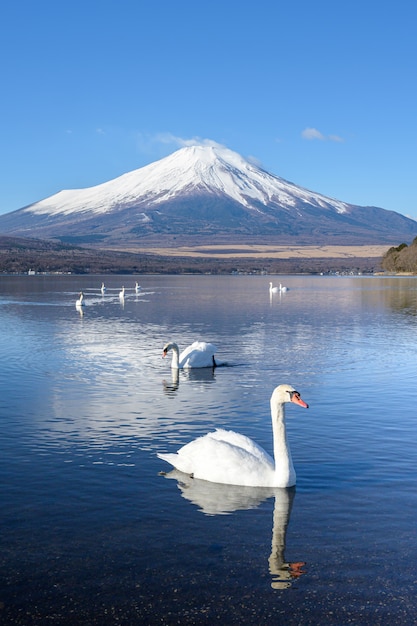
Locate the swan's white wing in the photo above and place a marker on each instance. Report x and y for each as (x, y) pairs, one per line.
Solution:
(220, 461)
(243, 442)
(199, 354)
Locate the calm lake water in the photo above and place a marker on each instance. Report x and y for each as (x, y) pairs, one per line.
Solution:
(93, 533)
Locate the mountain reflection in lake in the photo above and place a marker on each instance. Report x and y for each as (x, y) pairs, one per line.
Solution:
(91, 532)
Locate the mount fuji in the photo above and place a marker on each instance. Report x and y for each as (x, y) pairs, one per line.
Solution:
(203, 194)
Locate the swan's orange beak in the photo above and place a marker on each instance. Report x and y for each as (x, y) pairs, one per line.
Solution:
(296, 398)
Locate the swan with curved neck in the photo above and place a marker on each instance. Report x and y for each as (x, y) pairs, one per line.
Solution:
(272, 289)
(198, 354)
(80, 301)
(231, 458)
(282, 288)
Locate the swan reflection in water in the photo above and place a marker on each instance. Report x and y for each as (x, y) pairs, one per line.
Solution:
(218, 499)
(203, 375)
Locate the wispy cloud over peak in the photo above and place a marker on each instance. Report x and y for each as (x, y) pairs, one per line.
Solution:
(169, 138)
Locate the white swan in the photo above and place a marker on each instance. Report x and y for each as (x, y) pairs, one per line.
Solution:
(282, 288)
(103, 288)
(80, 301)
(137, 287)
(122, 294)
(199, 354)
(227, 457)
(272, 289)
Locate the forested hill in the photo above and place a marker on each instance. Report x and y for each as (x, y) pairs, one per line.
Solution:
(401, 259)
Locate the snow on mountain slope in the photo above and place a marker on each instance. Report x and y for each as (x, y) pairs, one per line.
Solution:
(209, 193)
(211, 169)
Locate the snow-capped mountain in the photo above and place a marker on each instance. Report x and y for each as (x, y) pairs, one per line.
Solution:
(207, 191)
(197, 168)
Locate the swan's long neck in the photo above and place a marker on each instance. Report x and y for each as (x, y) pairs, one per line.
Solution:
(282, 453)
(175, 355)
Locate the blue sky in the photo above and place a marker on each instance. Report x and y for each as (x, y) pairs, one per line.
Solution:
(323, 94)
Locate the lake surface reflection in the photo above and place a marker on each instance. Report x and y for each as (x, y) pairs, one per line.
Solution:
(93, 533)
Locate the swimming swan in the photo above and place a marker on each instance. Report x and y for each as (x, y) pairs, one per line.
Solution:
(122, 294)
(199, 354)
(282, 288)
(226, 457)
(272, 289)
(80, 301)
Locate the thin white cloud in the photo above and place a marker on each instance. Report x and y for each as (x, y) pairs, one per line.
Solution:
(147, 143)
(254, 160)
(336, 138)
(312, 134)
(180, 142)
(169, 138)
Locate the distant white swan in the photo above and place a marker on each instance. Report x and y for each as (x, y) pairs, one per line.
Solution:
(272, 289)
(137, 287)
(103, 288)
(227, 457)
(80, 301)
(282, 288)
(122, 294)
(199, 354)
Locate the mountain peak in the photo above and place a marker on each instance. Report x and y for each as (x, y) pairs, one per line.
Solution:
(211, 169)
(204, 190)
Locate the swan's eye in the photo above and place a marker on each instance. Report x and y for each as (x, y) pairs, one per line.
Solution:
(294, 393)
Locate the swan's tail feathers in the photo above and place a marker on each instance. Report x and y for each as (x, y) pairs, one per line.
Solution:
(176, 461)
(169, 458)
(173, 459)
